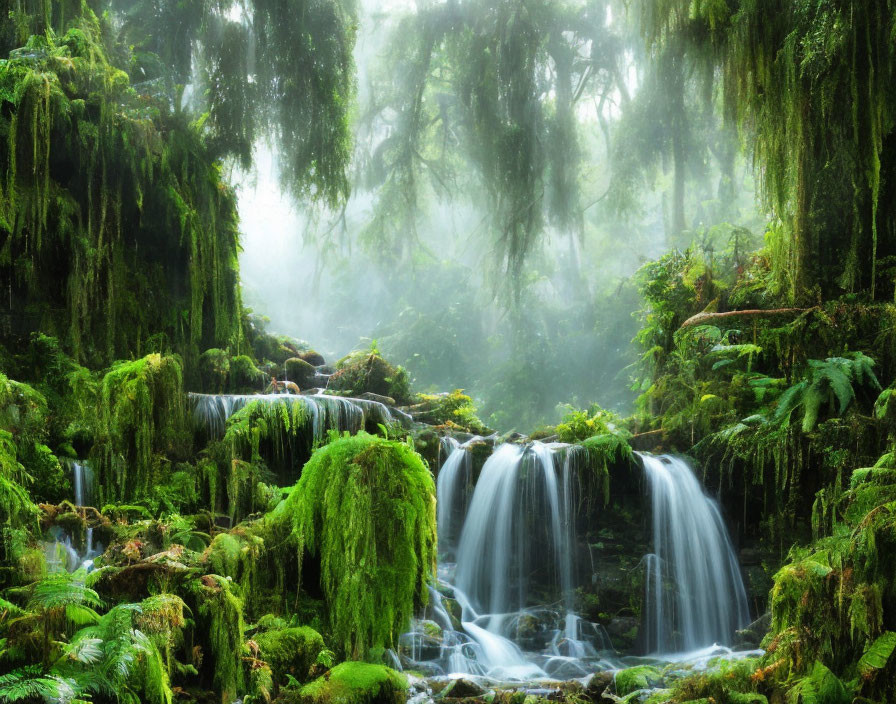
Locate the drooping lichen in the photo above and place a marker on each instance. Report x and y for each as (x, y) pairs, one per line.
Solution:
(365, 507)
(141, 418)
(86, 253)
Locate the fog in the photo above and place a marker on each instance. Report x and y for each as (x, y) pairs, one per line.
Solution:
(435, 302)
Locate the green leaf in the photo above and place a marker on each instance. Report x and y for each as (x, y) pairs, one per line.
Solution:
(878, 654)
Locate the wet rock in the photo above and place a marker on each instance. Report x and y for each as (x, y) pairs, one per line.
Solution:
(532, 631)
(369, 396)
(431, 628)
(597, 685)
(751, 637)
(635, 678)
(462, 689)
(419, 647)
(454, 612)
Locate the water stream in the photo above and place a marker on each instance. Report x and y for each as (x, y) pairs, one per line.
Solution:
(61, 552)
(326, 412)
(504, 605)
(695, 593)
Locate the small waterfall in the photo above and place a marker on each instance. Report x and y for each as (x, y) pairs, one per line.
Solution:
(82, 482)
(454, 476)
(326, 412)
(695, 595)
(59, 547)
(517, 544)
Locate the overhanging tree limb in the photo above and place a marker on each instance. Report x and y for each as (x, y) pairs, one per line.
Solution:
(704, 317)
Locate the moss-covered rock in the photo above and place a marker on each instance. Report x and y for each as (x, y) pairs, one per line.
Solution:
(356, 683)
(290, 650)
(313, 357)
(365, 507)
(245, 377)
(299, 371)
(362, 372)
(214, 370)
(635, 678)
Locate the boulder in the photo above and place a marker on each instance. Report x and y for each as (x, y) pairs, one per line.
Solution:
(313, 358)
(385, 400)
(635, 678)
(356, 683)
(299, 371)
(462, 689)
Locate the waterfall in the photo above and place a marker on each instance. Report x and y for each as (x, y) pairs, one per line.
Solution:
(517, 539)
(454, 476)
(695, 595)
(82, 482)
(211, 411)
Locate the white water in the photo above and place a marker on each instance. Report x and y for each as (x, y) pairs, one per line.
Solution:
(211, 411)
(82, 482)
(519, 517)
(59, 548)
(695, 595)
(517, 546)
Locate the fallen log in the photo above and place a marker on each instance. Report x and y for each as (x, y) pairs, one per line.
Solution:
(704, 317)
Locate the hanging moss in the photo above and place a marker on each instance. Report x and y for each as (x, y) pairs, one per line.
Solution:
(356, 683)
(365, 507)
(788, 68)
(142, 417)
(83, 255)
(221, 612)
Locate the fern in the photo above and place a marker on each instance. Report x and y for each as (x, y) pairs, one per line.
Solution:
(821, 686)
(29, 683)
(832, 382)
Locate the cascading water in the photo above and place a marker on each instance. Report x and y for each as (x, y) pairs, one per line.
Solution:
(695, 595)
(82, 483)
(211, 411)
(521, 508)
(60, 550)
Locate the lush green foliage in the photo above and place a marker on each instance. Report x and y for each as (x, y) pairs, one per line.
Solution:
(365, 507)
(357, 683)
(92, 172)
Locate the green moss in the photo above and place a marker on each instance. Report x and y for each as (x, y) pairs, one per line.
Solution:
(148, 220)
(221, 613)
(356, 683)
(245, 377)
(368, 372)
(290, 651)
(214, 370)
(365, 507)
(455, 408)
(142, 419)
(635, 678)
(235, 555)
(299, 371)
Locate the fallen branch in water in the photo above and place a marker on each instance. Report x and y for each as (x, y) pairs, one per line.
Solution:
(706, 317)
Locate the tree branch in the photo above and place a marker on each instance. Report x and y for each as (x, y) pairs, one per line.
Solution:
(704, 317)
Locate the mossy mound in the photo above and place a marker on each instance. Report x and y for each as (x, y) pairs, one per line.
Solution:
(299, 371)
(454, 409)
(356, 683)
(635, 678)
(365, 507)
(368, 372)
(291, 650)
